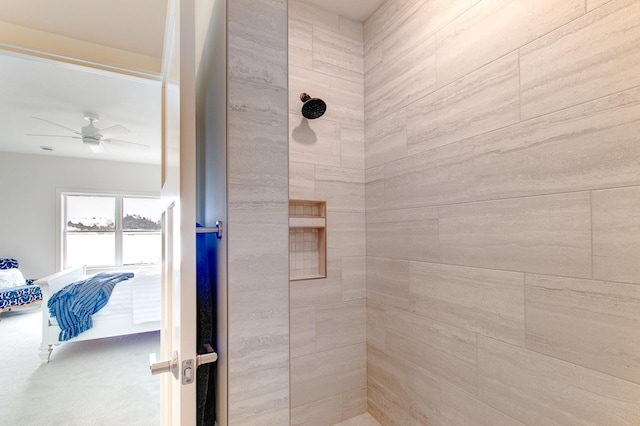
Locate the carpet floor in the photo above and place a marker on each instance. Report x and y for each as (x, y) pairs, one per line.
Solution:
(92, 383)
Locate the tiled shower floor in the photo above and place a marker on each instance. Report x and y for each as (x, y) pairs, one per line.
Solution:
(362, 420)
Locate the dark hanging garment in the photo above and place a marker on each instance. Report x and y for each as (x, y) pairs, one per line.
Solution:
(205, 375)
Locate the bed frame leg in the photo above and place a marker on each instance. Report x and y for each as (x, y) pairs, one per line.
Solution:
(45, 353)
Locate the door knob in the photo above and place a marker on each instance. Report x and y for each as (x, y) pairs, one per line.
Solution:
(164, 366)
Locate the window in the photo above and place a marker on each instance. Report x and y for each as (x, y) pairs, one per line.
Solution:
(110, 230)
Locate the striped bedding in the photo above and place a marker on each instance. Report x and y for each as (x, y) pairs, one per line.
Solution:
(143, 288)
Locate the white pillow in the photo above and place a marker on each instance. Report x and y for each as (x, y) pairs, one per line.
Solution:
(11, 278)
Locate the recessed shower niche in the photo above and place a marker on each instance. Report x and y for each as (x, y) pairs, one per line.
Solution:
(307, 240)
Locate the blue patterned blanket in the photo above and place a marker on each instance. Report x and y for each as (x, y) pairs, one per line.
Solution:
(74, 305)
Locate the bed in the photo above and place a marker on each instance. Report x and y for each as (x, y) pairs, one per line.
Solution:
(134, 307)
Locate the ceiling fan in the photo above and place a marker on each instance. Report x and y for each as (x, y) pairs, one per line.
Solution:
(94, 137)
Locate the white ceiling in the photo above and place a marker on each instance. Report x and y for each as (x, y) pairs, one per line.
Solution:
(62, 93)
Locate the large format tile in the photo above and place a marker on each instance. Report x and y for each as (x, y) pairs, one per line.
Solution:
(616, 234)
(354, 402)
(344, 98)
(400, 394)
(391, 85)
(388, 281)
(300, 44)
(314, 141)
(325, 412)
(484, 301)
(595, 324)
(550, 235)
(441, 176)
(313, 16)
(354, 278)
(410, 234)
(446, 352)
(482, 101)
(461, 409)
(374, 188)
(337, 54)
(493, 28)
(345, 234)
(325, 374)
(339, 325)
(342, 189)
(318, 292)
(539, 390)
(352, 147)
(593, 56)
(302, 181)
(386, 139)
(591, 146)
(302, 339)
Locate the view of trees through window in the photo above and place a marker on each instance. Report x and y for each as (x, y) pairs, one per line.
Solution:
(101, 230)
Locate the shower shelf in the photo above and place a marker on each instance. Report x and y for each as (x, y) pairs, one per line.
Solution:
(307, 240)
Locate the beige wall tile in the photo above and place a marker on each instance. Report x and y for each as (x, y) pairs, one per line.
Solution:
(446, 352)
(302, 340)
(342, 189)
(325, 412)
(300, 44)
(339, 55)
(391, 85)
(354, 278)
(319, 292)
(388, 281)
(352, 28)
(540, 390)
(493, 28)
(595, 324)
(314, 141)
(593, 145)
(410, 234)
(477, 103)
(313, 15)
(550, 234)
(345, 234)
(386, 139)
(441, 176)
(344, 98)
(616, 234)
(325, 374)
(352, 147)
(302, 181)
(340, 325)
(374, 188)
(376, 323)
(461, 409)
(591, 57)
(400, 394)
(354, 403)
(592, 4)
(484, 301)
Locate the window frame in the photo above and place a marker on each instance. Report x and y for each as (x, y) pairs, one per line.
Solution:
(118, 228)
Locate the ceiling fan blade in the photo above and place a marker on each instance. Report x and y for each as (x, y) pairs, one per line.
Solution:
(114, 131)
(96, 148)
(55, 136)
(126, 143)
(59, 125)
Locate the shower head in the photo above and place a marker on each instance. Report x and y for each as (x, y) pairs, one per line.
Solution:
(312, 107)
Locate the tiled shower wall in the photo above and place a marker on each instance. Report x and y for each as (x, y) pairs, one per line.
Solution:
(326, 163)
(503, 212)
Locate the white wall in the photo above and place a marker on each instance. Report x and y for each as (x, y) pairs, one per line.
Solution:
(28, 188)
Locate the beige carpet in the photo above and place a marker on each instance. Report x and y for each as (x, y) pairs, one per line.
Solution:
(99, 382)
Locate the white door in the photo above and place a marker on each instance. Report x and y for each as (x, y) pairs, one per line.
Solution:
(178, 332)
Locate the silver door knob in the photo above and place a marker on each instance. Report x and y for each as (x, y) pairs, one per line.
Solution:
(164, 366)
